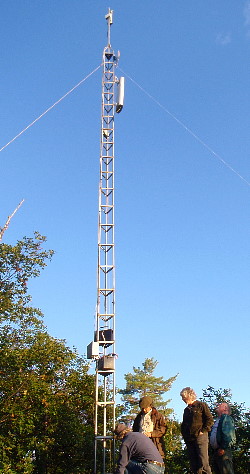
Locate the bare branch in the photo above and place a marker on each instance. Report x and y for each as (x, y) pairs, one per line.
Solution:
(2, 230)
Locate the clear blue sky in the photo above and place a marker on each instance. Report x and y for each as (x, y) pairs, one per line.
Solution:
(182, 216)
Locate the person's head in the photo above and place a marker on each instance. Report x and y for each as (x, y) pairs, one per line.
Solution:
(188, 395)
(121, 430)
(146, 404)
(223, 409)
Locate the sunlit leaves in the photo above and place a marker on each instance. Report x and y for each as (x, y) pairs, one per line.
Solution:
(18, 264)
(46, 393)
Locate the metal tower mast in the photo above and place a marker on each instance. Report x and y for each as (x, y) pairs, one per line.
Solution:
(103, 347)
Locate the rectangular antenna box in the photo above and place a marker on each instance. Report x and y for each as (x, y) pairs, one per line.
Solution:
(106, 363)
(93, 350)
(105, 335)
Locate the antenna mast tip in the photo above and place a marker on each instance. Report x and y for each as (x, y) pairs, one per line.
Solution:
(109, 17)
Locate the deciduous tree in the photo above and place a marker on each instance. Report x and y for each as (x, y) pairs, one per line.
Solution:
(46, 393)
(18, 264)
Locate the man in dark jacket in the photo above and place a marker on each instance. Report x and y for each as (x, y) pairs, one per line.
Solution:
(222, 439)
(137, 453)
(150, 422)
(197, 422)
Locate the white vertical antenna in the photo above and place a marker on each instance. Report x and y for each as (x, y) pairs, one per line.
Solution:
(109, 18)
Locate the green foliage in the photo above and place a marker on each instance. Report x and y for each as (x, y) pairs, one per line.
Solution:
(46, 394)
(143, 382)
(175, 453)
(241, 416)
(46, 405)
(18, 264)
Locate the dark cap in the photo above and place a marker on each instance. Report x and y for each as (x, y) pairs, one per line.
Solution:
(119, 428)
(145, 402)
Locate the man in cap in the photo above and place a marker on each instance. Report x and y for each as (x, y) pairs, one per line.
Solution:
(150, 422)
(137, 453)
(222, 439)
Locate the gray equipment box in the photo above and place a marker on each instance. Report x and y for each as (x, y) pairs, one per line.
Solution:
(106, 337)
(106, 363)
(93, 350)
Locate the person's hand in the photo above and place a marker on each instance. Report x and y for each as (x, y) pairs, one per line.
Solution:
(220, 452)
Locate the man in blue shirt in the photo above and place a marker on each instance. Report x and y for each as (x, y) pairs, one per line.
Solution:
(222, 439)
(137, 453)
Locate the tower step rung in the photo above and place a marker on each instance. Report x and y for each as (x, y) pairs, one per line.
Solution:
(110, 402)
(106, 314)
(106, 247)
(106, 291)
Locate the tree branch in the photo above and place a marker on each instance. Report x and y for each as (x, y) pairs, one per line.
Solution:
(2, 230)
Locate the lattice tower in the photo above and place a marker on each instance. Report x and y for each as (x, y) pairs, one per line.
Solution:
(103, 346)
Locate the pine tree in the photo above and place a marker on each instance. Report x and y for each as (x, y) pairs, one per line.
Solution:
(143, 382)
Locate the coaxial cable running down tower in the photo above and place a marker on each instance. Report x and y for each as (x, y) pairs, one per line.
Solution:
(102, 349)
